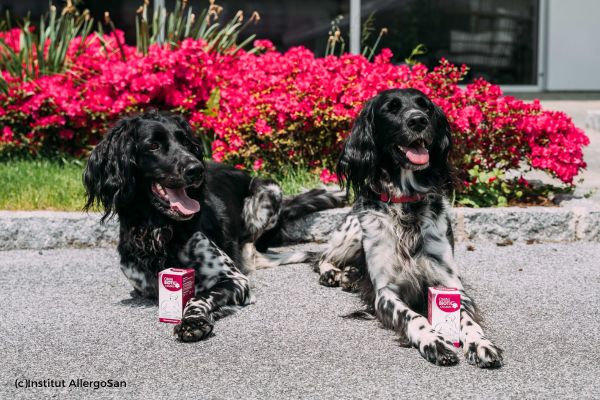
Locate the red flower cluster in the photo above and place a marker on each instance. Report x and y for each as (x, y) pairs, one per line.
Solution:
(264, 111)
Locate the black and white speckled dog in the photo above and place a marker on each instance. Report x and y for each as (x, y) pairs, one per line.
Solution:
(397, 241)
(177, 211)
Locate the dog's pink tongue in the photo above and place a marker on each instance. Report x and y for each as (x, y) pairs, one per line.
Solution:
(417, 155)
(181, 202)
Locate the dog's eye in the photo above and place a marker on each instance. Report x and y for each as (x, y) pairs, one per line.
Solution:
(154, 146)
(421, 102)
(394, 105)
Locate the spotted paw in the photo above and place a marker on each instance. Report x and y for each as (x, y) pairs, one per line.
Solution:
(484, 354)
(194, 328)
(349, 279)
(439, 352)
(330, 277)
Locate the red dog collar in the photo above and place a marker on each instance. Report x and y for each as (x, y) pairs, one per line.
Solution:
(402, 199)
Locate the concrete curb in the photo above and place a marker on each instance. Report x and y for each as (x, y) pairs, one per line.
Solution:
(500, 225)
(579, 221)
(50, 229)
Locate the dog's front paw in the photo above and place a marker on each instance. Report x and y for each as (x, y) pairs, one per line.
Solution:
(349, 279)
(484, 354)
(193, 328)
(330, 277)
(438, 351)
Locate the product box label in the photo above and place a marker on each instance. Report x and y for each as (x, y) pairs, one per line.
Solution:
(443, 312)
(175, 287)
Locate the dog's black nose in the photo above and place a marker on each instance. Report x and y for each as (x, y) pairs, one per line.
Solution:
(193, 171)
(417, 122)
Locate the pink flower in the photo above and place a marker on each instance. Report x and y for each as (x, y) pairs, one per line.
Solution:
(274, 106)
(384, 56)
(264, 44)
(262, 128)
(7, 134)
(327, 177)
(257, 164)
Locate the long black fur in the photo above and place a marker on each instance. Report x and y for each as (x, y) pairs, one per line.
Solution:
(154, 147)
(370, 157)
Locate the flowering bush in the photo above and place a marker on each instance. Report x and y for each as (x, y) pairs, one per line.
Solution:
(264, 111)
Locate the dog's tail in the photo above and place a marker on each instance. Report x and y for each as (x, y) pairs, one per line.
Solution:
(269, 259)
(295, 207)
(298, 206)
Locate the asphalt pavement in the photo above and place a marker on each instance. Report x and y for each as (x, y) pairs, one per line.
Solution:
(69, 314)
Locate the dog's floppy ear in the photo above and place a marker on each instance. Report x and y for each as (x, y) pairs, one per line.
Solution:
(441, 147)
(357, 164)
(109, 177)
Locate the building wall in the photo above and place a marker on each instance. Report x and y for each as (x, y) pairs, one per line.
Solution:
(459, 30)
(573, 43)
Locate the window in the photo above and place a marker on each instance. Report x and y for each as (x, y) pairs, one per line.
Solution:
(289, 23)
(497, 39)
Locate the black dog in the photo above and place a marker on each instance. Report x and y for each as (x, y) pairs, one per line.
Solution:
(397, 241)
(177, 211)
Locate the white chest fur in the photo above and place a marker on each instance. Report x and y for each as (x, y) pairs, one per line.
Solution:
(407, 247)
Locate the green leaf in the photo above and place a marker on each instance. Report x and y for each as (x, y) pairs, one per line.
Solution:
(212, 105)
(465, 201)
(417, 51)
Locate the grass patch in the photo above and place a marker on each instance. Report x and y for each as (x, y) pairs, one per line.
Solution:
(54, 184)
(41, 185)
(294, 180)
